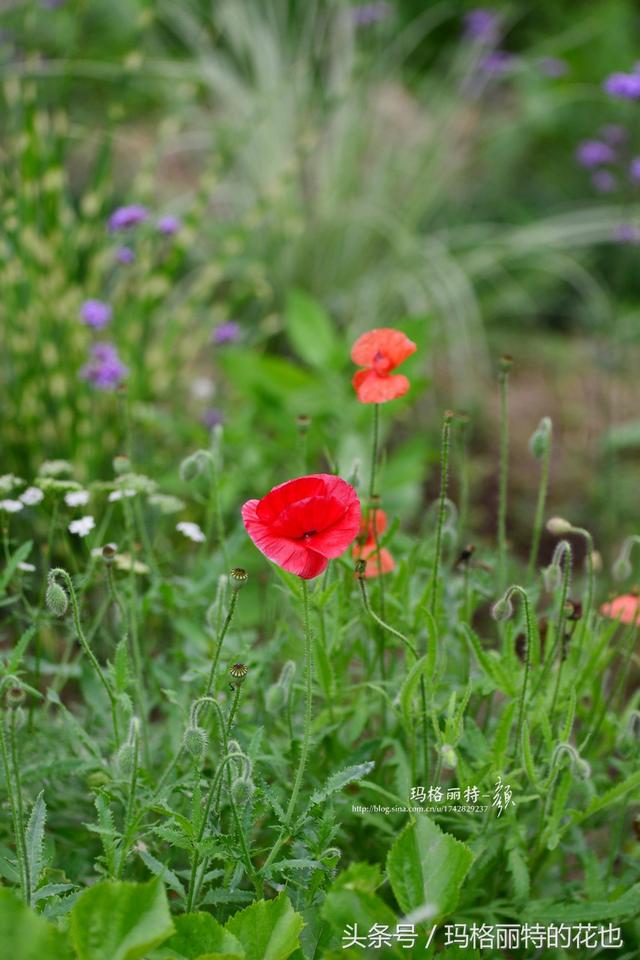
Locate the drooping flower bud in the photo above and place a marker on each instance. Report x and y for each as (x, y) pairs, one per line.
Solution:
(56, 599)
(242, 789)
(448, 754)
(559, 526)
(502, 609)
(195, 741)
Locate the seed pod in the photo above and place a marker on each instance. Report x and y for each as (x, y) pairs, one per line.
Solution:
(238, 578)
(239, 672)
(56, 599)
(109, 551)
(195, 741)
(121, 464)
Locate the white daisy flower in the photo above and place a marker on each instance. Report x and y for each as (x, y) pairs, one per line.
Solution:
(77, 498)
(119, 494)
(31, 496)
(26, 567)
(191, 530)
(82, 527)
(11, 506)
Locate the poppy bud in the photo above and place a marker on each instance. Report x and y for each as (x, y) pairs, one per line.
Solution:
(56, 599)
(558, 526)
(552, 577)
(238, 578)
(505, 363)
(502, 609)
(125, 758)
(195, 741)
(541, 438)
(622, 568)
(97, 778)
(242, 789)
(193, 465)
(15, 695)
(361, 566)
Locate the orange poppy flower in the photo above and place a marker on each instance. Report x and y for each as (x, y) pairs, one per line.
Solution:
(626, 608)
(380, 352)
(377, 561)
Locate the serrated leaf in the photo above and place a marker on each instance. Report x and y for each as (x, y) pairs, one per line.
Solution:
(351, 899)
(121, 672)
(30, 936)
(491, 666)
(627, 906)
(427, 866)
(269, 929)
(410, 685)
(114, 920)
(34, 838)
(309, 329)
(163, 872)
(519, 871)
(19, 556)
(340, 779)
(16, 655)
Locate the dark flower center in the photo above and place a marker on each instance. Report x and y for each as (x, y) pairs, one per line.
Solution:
(309, 533)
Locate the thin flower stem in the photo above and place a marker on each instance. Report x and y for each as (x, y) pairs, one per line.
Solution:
(9, 783)
(504, 468)
(234, 708)
(20, 834)
(374, 449)
(385, 626)
(141, 695)
(442, 506)
(223, 633)
(515, 588)
(539, 515)
(60, 572)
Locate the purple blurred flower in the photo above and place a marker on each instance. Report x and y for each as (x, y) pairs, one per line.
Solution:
(497, 63)
(624, 86)
(52, 4)
(614, 133)
(367, 13)
(593, 153)
(603, 181)
(96, 313)
(227, 332)
(105, 370)
(212, 418)
(125, 255)
(553, 66)
(169, 225)
(126, 217)
(482, 25)
(634, 170)
(626, 233)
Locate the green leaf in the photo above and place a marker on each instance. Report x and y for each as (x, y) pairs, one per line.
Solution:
(30, 936)
(489, 662)
(409, 687)
(21, 554)
(427, 866)
(35, 839)
(269, 929)
(16, 655)
(199, 935)
(625, 907)
(352, 900)
(605, 800)
(309, 329)
(161, 870)
(120, 921)
(340, 779)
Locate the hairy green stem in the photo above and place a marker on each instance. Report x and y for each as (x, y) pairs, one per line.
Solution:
(539, 515)
(503, 477)
(219, 642)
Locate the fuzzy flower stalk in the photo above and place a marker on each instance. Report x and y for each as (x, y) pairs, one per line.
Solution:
(561, 527)
(540, 446)
(503, 610)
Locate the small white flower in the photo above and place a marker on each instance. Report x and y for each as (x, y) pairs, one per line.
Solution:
(202, 388)
(26, 567)
(8, 481)
(76, 498)
(11, 506)
(82, 527)
(191, 530)
(31, 496)
(119, 494)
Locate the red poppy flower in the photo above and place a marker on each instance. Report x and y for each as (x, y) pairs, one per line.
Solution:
(380, 352)
(304, 523)
(378, 561)
(626, 608)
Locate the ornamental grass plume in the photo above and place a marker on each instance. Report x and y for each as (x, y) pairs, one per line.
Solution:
(302, 524)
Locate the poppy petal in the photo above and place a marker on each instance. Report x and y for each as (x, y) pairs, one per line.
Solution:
(294, 557)
(393, 344)
(371, 388)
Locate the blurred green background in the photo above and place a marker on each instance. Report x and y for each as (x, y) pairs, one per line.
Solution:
(334, 167)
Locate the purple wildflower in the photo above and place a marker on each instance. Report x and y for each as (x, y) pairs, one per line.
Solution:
(626, 233)
(603, 181)
(126, 217)
(593, 153)
(169, 225)
(212, 418)
(634, 170)
(367, 13)
(227, 332)
(624, 86)
(552, 66)
(497, 63)
(105, 370)
(482, 26)
(96, 313)
(125, 255)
